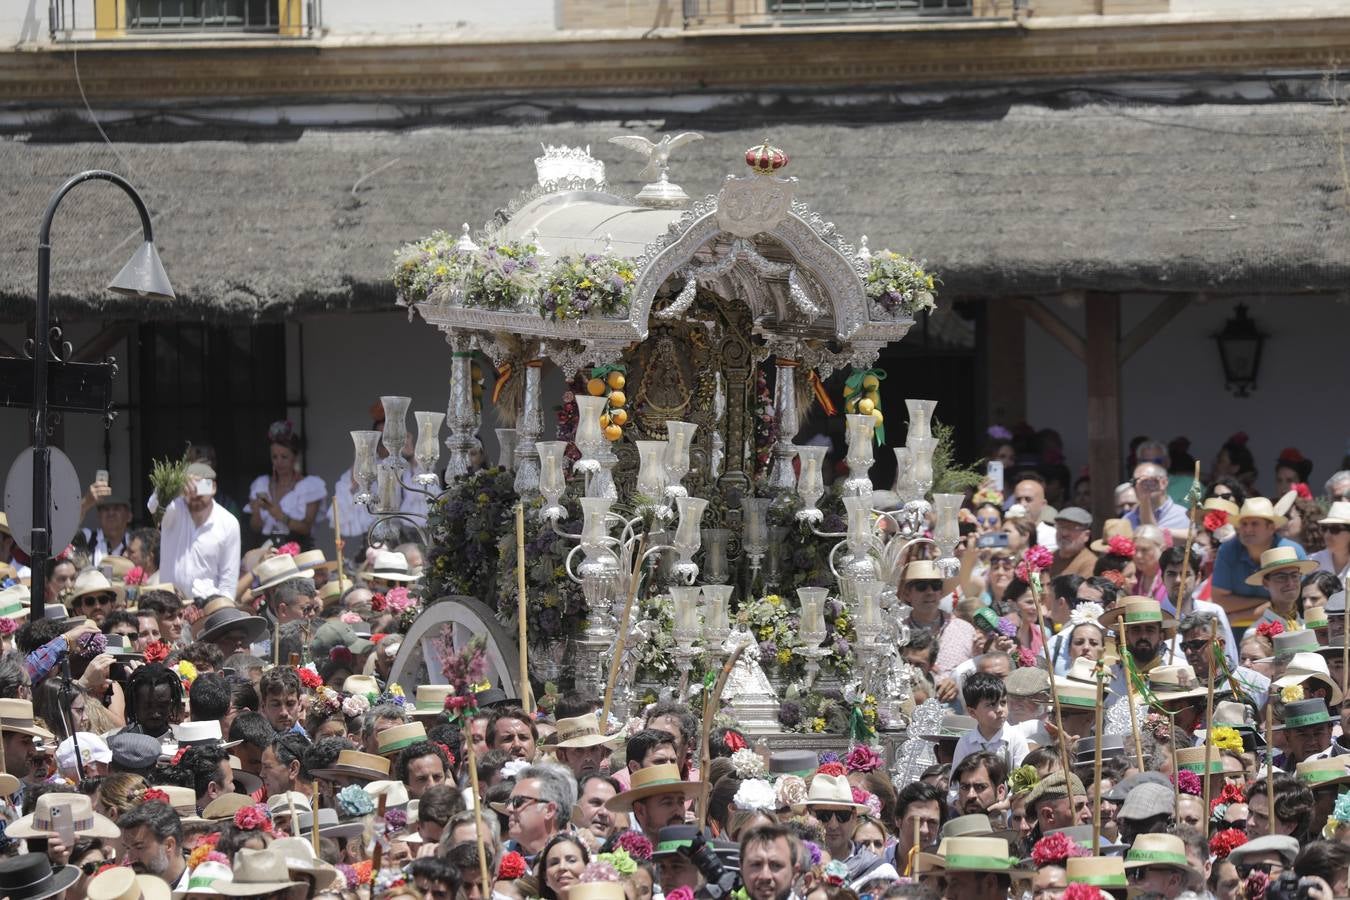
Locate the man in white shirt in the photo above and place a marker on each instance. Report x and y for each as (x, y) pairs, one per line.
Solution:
(1029, 493)
(199, 539)
(111, 537)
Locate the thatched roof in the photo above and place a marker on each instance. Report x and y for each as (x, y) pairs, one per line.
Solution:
(1114, 198)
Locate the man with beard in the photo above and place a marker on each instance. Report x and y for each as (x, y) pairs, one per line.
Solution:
(1197, 632)
(1146, 627)
(581, 746)
(19, 728)
(152, 835)
(981, 780)
(769, 858)
(590, 814)
(199, 539)
(656, 799)
(1073, 528)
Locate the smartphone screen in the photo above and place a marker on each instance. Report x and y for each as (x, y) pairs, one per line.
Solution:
(995, 473)
(101, 476)
(206, 488)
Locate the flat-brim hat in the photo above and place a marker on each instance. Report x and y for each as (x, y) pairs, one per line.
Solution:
(41, 822)
(244, 782)
(1287, 643)
(361, 684)
(1304, 713)
(221, 616)
(1218, 504)
(281, 804)
(793, 762)
(1104, 872)
(596, 890)
(829, 790)
(952, 728)
(14, 602)
(1085, 750)
(313, 559)
(390, 565)
(400, 737)
(429, 700)
(583, 731)
(300, 861)
(355, 764)
(92, 581)
(122, 883)
(1157, 850)
(974, 825)
(653, 780)
(1076, 694)
(30, 876)
(1338, 514)
(1177, 683)
(1277, 559)
(1284, 846)
(258, 873)
(1323, 773)
(201, 734)
(17, 715)
(1112, 528)
(225, 806)
(971, 854)
(921, 570)
(1305, 667)
(670, 839)
(1136, 611)
(202, 879)
(333, 590)
(329, 826)
(395, 793)
(275, 569)
(1202, 760)
(1261, 508)
(184, 802)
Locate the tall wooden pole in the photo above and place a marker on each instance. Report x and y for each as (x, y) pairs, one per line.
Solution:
(337, 542)
(314, 820)
(477, 814)
(1215, 645)
(1050, 672)
(1097, 759)
(1270, 768)
(526, 695)
(1184, 600)
(1121, 650)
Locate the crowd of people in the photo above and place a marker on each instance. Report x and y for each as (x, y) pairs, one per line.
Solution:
(1148, 707)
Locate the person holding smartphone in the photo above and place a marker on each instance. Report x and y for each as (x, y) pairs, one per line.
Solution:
(199, 539)
(111, 536)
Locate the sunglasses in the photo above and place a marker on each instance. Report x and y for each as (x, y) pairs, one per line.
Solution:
(1333, 529)
(95, 600)
(1194, 646)
(926, 585)
(1249, 868)
(839, 815)
(1239, 824)
(987, 520)
(1001, 562)
(520, 801)
(1223, 495)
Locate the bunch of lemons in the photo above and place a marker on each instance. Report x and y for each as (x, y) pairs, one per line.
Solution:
(867, 402)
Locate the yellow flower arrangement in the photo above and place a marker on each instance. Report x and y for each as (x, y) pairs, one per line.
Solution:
(1225, 738)
(1292, 694)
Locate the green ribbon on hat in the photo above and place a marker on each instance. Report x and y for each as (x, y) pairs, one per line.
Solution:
(1215, 766)
(672, 846)
(1134, 618)
(961, 861)
(1316, 718)
(200, 881)
(1116, 879)
(1156, 856)
(1318, 776)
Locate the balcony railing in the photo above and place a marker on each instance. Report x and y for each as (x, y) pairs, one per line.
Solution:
(79, 20)
(813, 12)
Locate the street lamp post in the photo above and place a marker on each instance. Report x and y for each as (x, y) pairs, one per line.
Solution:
(142, 276)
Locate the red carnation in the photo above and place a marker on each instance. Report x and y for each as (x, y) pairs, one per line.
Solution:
(1080, 891)
(1119, 545)
(1224, 842)
(446, 750)
(253, 818)
(1268, 630)
(155, 795)
(637, 845)
(309, 678)
(1053, 849)
(1231, 793)
(1038, 558)
(1216, 519)
(289, 549)
(834, 768)
(1303, 491)
(156, 651)
(178, 757)
(134, 577)
(1115, 576)
(734, 741)
(1188, 782)
(377, 602)
(511, 866)
(683, 892)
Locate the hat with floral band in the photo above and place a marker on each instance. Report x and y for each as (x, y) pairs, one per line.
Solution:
(1112, 528)
(1279, 559)
(583, 731)
(1310, 667)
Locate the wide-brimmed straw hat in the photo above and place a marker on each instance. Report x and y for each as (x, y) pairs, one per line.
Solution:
(14, 602)
(301, 862)
(360, 684)
(122, 883)
(200, 734)
(79, 808)
(1112, 528)
(1277, 559)
(17, 715)
(583, 731)
(1338, 514)
(223, 808)
(1106, 873)
(329, 825)
(430, 700)
(1137, 611)
(652, 780)
(92, 581)
(275, 569)
(971, 854)
(1202, 760)
(260, 872)
(313, 559)
(400, 737)
(1306, 667)
(355, 764)
(1323, 773)
(1261, 508)
(1157, 850)
(829, 790)
(1177, 683)
(202, 880)
(184, 802)
(922, 570)
(596, 890)
(390, 565)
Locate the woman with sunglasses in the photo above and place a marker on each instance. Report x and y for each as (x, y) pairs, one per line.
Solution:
(1335, 556)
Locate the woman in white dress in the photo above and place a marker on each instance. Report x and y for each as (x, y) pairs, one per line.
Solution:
(284, 504)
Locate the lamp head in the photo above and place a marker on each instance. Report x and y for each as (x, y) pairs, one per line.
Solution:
(143, 276)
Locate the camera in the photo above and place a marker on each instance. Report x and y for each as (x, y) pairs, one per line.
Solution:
(1287, 887)
(720, 880)
(119, 672)
(992, 540)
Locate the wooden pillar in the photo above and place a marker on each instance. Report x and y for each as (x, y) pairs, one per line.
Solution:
(1103, 384)
(1006, 333)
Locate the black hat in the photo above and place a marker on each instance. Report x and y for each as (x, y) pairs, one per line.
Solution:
(493, 697)
(671, 838)
(1086, 749)
(30, 876)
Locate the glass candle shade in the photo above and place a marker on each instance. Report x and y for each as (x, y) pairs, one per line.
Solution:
(921, 464)
(387, 494)
(686, 611)
(395, 424)
(810, 478)
(920, 419)
(717, 600)
(507, 438)
(651, 477)
(679, 440)
(551, 480)
(858, 515)
(688, 532)
(946, 527)
(869, 603)
(812, 601)
(715, 569)
(755, 521)
(427, 450)
(589, 410)
(595, 523)
(860, 430)
(367, 444)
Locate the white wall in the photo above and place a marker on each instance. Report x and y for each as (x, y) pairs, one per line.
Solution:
(355, 17)
(1174, 384)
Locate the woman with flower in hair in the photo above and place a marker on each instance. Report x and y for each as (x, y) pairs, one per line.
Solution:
(559, 865)
(1083, 635)
(1021, 619)
(284, 504)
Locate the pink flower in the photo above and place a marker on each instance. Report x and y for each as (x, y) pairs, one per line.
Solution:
(1188, 782)
(1038, 558)
(683, 892)
(862, 759)
(1053, 849)
(253, 818)
(1080, 891)
(135, 576)
(350, 618)
(1025, 658)
(637, 845)
(289, 549)
(1121, 546)
(8, 627)
(398, 599)
(512, 866)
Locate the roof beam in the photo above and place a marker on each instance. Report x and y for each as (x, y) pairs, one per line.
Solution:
(1054, 326)
(1168, 309)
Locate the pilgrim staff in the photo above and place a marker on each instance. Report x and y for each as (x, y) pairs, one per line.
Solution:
(1270, 767)
(1215, 653)
(1129, 698)
(1184, 595)
(1034, 577)
(1097, 756)
(710, 704)
(526, 694)
(617, 661)
(337, 539)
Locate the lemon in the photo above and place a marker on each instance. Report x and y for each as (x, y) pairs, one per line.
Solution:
(617, 398)
(613, 433)
(604, 421)
(876, 414)
(616, 380)
(865, 406)
(595, 387)
(619, 417)
(870, 383)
